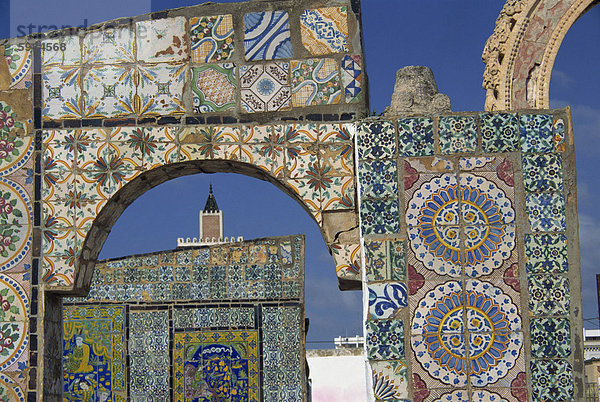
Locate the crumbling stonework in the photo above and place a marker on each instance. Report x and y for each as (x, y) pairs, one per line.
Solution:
(415, 92)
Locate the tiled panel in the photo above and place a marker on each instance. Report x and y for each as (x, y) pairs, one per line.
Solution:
(267, 35)
(325, 30)
(214, 87)
(212, 38)
(315, 82)
(536, 133)
(458, 134)
(352, 77)
(162, 40)
(109, 46)
(19, 64)
(499, 132)
(265, 88)
(415, 136)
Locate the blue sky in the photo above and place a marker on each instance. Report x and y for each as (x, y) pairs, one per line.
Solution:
(447, 36)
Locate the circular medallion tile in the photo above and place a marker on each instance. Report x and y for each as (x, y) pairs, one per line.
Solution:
(9, 390)
(437, 209)
(15, 147)
(15, 231)
(461, 329)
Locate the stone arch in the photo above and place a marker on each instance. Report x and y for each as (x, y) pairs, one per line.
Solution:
(520, 53)
(112, 210)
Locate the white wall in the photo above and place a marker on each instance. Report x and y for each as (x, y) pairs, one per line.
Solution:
(337, 378)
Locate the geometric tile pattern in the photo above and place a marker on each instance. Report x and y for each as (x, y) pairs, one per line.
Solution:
(151, 346)
(315, 82)
(352, 77)
(214, 87)
(441, 234)
(211, 38)
(267, 35)
(325, 30)
(265, 88)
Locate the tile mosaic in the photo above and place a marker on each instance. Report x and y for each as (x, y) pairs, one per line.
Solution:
(415, 136)
(542, 173)
(550, 337)
(163, 40)
(551, 380)
(61, 93)
(336, 159)
(488, 249)
(378, 179)
(325, 30)
(385, 339)
(499, 132)
(385, 260)
(546, 211)
(390, 380)
(109, 91)
(265, 87)
(299, 134)
(352, 77)
(19, 65)
(536, 132)
(315, 82)
(340, 132)
(94, 343)
(347, 259)
(214, 87)
(110, 45)
(63, 51)
(10, 389)
(267, 36)
(457, 134)
(339, 195)
(549, 295)
(160, 89)
(559, 135)
(212, 38)
(546, 253)
(376, 140)
(379, 216)
(387, 299)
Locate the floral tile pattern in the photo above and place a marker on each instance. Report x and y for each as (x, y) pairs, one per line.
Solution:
(347, 260)
(352, 77)
(109, 91)
(457, 134)
(550, 337)
(542, 173)
(415, 136)
(376, 140)
(387, 299)
(325, 30)
(546, 253)
(379, 216)
(385, 259)
(267, 36)
(379, 179)
(536, 133)
(549, 295)
(214, 87)
(552, 380)
(385, 339)
(499, 132)
(19, 65)
(61, 93)
(161, 89)
(211, 38)
(546, 212)
(163, 40)
(315, 82)
(390, 380)
(265, 87)
(109, 46)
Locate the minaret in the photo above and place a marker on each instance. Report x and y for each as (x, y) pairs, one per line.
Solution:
(211, 220)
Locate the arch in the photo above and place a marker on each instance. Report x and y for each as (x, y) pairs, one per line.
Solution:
(198, 149)
(520, 53)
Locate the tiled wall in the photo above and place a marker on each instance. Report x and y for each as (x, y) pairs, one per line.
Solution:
(224, 321)
(471, 252)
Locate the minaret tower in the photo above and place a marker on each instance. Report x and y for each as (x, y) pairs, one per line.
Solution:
(211, 221)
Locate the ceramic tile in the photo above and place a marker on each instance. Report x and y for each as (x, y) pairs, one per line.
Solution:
(550, 337)
(19, 65)
(486, 199)
(309, 191)
(162, 40)
(488, 250)
(559, 135)
(481, 316)
(428, 164)
(352, 77)
(415, 136)
(385, 339)
(390, 380)
(340, 132)
(267, 36)
(546, 253)
(15, 356)
(11, 389)
(214, 87)
(336, 159)
(63, 51)
(265, 87)
(212, 38)
(376, 140)
(110, 45)
(315, 82)
(546, 212)
(109, 91)
(347, 259)
(552, 380)
(542, 173)
(339, 193)
(386, 299)
(549, 295)
(325, 30)
(378, 179)
(379, 217)
(458, 134)
(302, 161)
(433, 200)
(499, 132)
(161, 89)
(536, 133)
(305, 134)
(61, 93)
(385, 260)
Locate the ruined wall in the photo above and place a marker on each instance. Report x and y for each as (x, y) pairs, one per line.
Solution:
(471, 253)
(221, 322)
